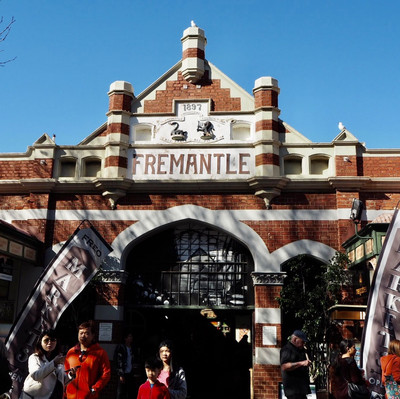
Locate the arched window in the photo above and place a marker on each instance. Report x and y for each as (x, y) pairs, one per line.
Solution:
(292, 165)
(91, 167)
(190, 265)
(241, 131)
(319, 165)
(67, 167)
(142, 133)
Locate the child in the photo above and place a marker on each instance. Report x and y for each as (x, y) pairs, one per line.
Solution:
(153, 388)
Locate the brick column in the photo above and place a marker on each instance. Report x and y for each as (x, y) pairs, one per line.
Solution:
(266, 93)
(268, 340)
(120, 98)
(110, 305)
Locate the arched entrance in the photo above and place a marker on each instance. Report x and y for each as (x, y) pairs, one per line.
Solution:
(191, 283)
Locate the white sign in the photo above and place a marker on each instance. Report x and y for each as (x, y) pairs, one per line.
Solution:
(105, 331)
(191, 164)
(269, 335)
(198, 108)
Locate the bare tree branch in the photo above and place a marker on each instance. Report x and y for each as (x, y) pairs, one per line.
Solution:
(3, 36)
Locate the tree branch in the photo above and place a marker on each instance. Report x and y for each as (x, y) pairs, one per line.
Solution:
(3, 36)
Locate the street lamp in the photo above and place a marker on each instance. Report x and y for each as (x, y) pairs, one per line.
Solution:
(356, 210)
(355, 215)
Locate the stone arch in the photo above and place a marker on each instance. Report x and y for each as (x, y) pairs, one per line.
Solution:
(315, 249)
(162, 219)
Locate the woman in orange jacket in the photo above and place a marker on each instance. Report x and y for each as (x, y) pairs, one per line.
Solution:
(390, 365)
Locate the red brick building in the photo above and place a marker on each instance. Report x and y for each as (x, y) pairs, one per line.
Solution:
(203, 192)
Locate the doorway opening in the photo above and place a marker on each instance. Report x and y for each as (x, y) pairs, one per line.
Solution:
(191, 284)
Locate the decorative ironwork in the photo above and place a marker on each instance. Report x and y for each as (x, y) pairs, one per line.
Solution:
(111, 276)
(268, 278)
(206, 268)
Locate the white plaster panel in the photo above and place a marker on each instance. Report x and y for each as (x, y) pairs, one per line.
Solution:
(193, 63)
(266, 81)
(119, 138)
(268, 315)
(188, 164)
(314, 248)
(108, 312)
(267, 170)
(120, 117)
(188, 120)
(113, 171)
(265, 148)
(243, 214)
(198, 41)
(270, 114)
(307, 152)
(268, 356)
(346, 149)
(121, 85)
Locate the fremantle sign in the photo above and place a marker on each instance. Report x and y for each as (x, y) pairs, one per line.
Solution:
(190, 164)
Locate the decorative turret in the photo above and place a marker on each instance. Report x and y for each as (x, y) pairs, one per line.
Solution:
(120, 97)
(193, 53)
(267, 182)
(118, 127)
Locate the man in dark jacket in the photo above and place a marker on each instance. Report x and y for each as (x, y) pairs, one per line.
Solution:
(123, 357)
(294, 367)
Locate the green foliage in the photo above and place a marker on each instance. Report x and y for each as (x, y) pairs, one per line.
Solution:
(309, 290)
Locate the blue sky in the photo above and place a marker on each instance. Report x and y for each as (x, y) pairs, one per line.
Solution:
(335, 60)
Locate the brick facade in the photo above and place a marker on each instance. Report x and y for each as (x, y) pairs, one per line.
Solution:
(275, 210)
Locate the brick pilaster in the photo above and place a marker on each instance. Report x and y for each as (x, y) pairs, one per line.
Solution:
(266, 93)
(120, 98)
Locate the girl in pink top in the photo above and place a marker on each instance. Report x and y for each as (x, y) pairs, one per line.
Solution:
(171, 375)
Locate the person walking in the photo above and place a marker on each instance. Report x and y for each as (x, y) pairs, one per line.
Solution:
(294, 366)
(91, 363)
(46, 378)
(390, 365)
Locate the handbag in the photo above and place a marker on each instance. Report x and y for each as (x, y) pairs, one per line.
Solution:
(358, 391)
(391, 387)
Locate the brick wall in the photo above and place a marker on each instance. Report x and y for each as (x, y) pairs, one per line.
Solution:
(29, 169)
(182, 89)
(384, 166)
(266, 380)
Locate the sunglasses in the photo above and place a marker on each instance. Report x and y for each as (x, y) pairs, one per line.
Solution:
(46, 340)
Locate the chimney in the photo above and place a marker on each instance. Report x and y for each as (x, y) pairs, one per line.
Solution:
(193, 53)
